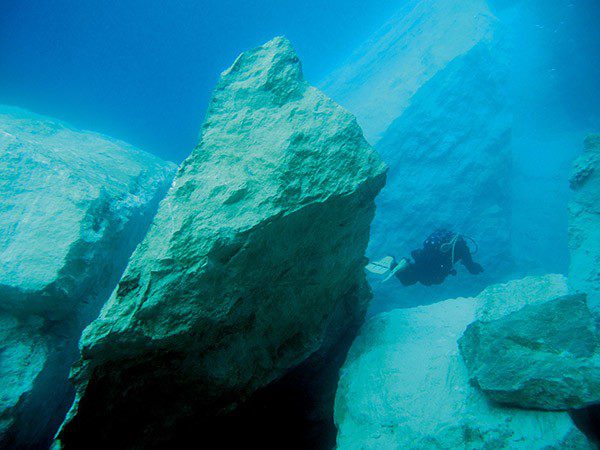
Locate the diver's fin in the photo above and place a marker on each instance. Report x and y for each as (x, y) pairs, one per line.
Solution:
(382, 266)
(403, 264)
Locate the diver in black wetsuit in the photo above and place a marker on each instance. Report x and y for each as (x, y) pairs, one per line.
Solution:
(431, 264)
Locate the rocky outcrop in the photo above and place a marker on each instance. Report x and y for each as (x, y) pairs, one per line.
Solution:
(73, 206)
(405, 385)
(253, 263)
(430, 88)
(544, 356)
(584, 223)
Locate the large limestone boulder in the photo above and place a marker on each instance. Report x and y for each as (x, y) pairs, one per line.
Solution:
(73, 205)
(430, 89)
(253, 263)
(68, 199)
(584, 223)
(405, 385)
(545, 356)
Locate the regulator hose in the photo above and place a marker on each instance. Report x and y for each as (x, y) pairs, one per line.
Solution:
(452, 245)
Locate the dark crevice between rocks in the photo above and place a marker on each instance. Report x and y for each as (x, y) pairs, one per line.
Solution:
(294, 412)
(588, 421)
(40, 413)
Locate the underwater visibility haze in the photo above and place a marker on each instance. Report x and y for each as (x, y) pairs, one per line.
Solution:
(300, 224)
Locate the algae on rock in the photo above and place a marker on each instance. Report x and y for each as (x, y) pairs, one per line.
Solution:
(73, 205)
(254, 260)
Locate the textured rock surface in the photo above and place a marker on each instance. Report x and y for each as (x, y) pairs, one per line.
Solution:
(442, 126)
(73, 205)
(545, 356)
(584, 223)
(405, 385)
(67, 198)
(499, 300)
(254, 259)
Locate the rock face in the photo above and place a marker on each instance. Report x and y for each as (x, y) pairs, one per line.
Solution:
(430, 88)
(544, 356)
(584, 223)
(499, 300)
(73, 206)
(253, 262)
(378, 82)
(405, 385)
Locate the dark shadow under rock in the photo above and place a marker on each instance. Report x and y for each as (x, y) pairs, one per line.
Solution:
(588, 421)
(294, 412)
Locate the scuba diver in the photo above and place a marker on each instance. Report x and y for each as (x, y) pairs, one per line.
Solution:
(431, 264)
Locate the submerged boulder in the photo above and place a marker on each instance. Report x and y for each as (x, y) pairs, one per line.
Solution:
(546, 356)
(73, 205)
(405, 385)
(584, 223)
(253, 263)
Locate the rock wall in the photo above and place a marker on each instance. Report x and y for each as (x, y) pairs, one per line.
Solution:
(254, 262)
(437, 110)
(449, 163)
(584, 223)
(379, 80)
(73, 206)
(405, 385)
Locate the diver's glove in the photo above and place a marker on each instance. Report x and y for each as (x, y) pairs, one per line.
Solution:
(475, 268)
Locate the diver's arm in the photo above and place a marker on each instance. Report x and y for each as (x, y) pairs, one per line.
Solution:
(464, 255)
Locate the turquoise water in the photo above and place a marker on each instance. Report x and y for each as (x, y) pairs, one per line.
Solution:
(144, 71)
(199, 186)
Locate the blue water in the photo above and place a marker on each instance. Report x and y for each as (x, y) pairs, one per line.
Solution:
(143, 71)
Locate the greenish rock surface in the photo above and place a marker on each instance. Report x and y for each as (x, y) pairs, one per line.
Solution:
(544, 356)
(254, 260)
(584, 223)
(405, 385)
(73, 206)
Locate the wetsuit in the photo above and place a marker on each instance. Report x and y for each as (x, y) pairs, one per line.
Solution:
(432, 264)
